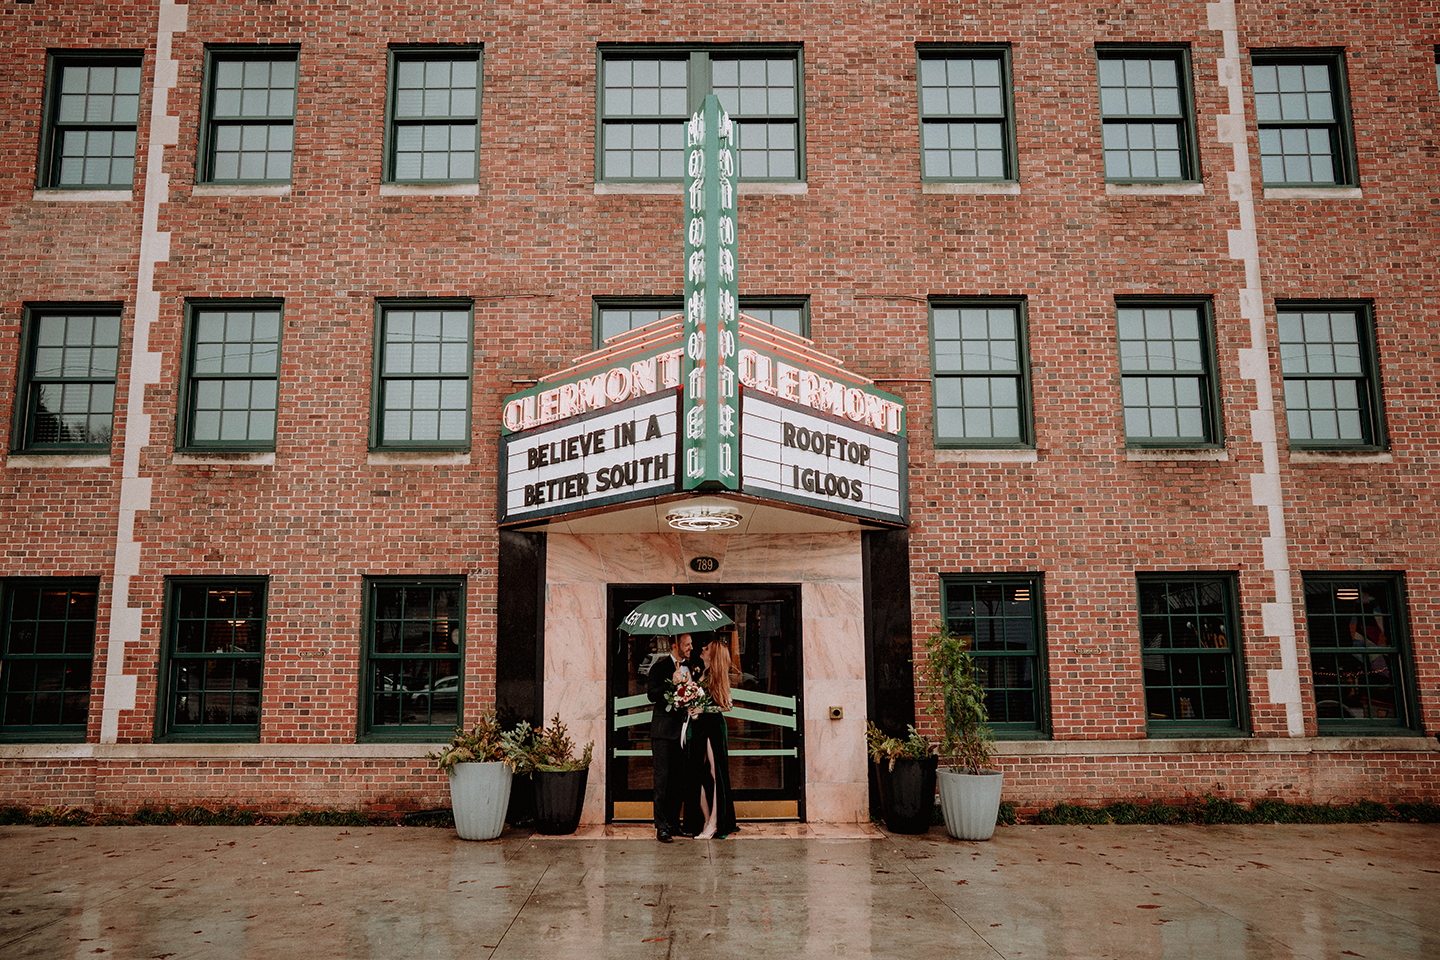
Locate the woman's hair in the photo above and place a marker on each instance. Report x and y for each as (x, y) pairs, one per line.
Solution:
(717, 678)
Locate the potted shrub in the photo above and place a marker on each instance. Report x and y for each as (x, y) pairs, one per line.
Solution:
(970, 789)
(547, 755)
(475, 762)
(905, 770)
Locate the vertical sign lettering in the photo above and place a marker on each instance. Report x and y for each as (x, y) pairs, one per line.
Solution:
(710, 410)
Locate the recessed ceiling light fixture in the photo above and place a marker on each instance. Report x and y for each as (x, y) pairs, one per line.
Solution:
(703, 518)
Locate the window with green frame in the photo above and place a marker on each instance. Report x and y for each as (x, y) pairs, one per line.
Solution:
(648, 93)
(1167, 382)
(1360, 662)
(980, 373)
(414, 643)
(66, 396)
(230, 375)
(92, 110)
(214, 657)
(614, 317)
(1332, 378)
(1146, 114)
(248, 126)
(1002, 619)
(967, 131)
(1303, 118)
(433, 133)
(1190, 653)
(48, 656)
(423, 357)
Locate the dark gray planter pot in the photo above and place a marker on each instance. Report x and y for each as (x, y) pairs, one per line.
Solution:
(907, 794)
(559, 799)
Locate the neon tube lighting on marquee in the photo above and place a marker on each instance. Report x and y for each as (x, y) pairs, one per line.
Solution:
(615, 381)
(662, 372)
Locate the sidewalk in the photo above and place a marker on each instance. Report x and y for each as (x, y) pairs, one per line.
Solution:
(174, 893)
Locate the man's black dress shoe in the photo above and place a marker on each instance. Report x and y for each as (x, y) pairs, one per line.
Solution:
(664, 838)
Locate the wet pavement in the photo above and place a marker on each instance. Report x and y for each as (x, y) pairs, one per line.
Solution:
(173, 893)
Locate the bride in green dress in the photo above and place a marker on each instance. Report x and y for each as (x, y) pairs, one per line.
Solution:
(709, 755)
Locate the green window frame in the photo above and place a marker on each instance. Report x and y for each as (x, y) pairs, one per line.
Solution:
(614, 316)
(1167, 373)
(230, 375)
(1302, 113)
(411, 683)
(1002, 616)
(967, 121)
(92, 115)
(646, 94)
(1332, 377)
(46, 670)
(212, 660)
(1147, 114)
(980, 373)
(69, 357)
(1372, 690)
(432, 122)
(1190, 654)
(248, 115)
(424, 356)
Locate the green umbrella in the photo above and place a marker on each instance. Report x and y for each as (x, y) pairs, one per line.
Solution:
(672, 614)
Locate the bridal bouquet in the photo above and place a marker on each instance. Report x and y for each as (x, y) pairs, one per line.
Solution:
(687, 696)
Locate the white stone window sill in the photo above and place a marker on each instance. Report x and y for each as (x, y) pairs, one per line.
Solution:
(970, 189)
(1155, 189)
(1176, 454)
(1341, 456)
(430, 190)
(1312, 193)
(377, 458)
(224, 459)
(987, 456)
(240, 190)
(62, 195)
(214, 751)
(1310, 745)
(54, 461)
(678, 189)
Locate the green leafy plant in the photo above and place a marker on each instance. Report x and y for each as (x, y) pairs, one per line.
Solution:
(883, 748)
(951, 679)
(528, 749)
(483, 743)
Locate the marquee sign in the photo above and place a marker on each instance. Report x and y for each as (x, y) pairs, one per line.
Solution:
(705, 400)
(628, 451)
(712, 314)
(609, 430)
(792, 453)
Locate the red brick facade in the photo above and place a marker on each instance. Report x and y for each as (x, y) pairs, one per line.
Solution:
(864, 238)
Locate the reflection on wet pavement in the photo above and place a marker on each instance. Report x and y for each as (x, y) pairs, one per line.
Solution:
(315, 892)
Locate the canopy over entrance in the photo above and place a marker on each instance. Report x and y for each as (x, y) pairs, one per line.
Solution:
(597, 447)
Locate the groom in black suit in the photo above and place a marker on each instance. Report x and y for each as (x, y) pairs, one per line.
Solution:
(665, 746)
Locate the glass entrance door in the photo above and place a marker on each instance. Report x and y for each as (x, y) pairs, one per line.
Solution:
(764, 729)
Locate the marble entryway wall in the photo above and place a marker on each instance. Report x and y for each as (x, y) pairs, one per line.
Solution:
(832, 607)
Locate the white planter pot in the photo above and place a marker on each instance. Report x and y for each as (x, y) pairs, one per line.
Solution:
(479, 797)
(970, 802)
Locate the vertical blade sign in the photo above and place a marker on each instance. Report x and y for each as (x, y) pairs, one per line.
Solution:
(711, 364)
